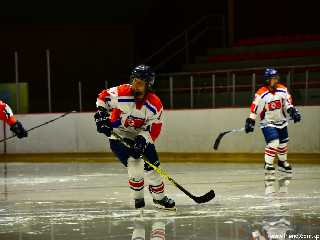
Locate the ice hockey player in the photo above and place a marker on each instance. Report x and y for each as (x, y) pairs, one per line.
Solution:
(134, 112)
(6, 115)
(272, 102)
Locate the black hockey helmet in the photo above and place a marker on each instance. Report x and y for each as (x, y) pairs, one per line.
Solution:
(144, 73)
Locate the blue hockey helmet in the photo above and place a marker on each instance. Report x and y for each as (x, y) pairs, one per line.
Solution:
(143, 72)
(270, 73)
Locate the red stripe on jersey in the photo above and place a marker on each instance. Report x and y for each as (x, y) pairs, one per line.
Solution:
(155, 130)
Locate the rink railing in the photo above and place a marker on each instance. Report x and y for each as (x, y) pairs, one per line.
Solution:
(235, 87)
(187, 90)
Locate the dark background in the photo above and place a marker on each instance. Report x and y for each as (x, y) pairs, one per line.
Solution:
(93, 42)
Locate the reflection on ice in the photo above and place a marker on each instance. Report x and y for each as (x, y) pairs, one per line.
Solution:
(92, 202)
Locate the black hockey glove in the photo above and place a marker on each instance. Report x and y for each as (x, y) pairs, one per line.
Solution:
(294, 114)
(249, 126)
(103, 122)
(19, 130)
(139, 146)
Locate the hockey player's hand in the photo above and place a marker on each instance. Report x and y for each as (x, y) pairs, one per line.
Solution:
(139, 146)
(19, 130)
(294, 114)
(249, 127)
(103, 123)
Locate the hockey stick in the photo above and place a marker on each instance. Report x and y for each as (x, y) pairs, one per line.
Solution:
(40, 125)
(201, 199)
(221, 135)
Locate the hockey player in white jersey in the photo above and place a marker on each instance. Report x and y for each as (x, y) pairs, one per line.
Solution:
(273, 102)
(134, 112)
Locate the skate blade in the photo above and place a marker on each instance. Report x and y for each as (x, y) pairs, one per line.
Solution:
(174, 209)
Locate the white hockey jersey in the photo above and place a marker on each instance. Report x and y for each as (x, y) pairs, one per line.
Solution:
(271, 106)
(130, 117)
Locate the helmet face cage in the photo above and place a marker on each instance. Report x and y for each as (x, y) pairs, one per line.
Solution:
(145, 73)
(270, 73)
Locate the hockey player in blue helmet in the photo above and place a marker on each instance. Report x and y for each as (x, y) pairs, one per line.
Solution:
(272, 103)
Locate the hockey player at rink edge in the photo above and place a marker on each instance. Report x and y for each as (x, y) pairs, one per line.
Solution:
(272, 102)
(7, 116)
(134, 112)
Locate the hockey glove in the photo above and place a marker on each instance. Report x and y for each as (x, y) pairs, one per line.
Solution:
(103, 122)
(19, 130)
(139, 146)
(294, 114)
(249, 126)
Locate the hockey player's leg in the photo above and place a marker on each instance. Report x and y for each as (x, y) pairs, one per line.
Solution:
(136, 180)
(283, 164)
(135, 171)
(156, 185)
(272, 139)
(270, 152)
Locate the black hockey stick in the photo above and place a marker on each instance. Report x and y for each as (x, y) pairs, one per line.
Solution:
(221, 135)
(201, 199)
(40, 125)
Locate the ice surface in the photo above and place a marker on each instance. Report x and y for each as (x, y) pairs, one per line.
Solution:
(92, 201)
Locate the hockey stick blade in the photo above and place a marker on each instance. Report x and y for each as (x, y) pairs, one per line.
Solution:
(205, 198)
(201, 199)
(218, 139)
(220, 136)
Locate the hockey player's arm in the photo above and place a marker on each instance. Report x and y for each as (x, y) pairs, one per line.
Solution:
(7, 114)
(290, 109)
(255, 109)
(106, 101)
(15, 126)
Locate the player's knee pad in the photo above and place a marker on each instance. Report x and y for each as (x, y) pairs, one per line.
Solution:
(153, 178)
(274, 144)
(135, 167)
(271, 150)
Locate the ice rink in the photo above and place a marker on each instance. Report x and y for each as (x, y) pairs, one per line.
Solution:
(92, 201)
